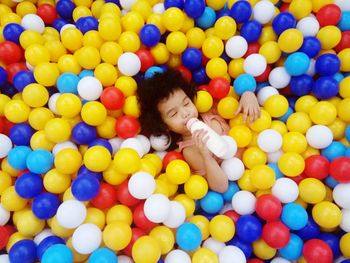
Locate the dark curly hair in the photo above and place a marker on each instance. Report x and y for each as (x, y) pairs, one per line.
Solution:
(155, 89)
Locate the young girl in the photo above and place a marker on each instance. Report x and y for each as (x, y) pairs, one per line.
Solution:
(166, 101)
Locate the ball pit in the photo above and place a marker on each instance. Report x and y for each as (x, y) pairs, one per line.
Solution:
(79, 183)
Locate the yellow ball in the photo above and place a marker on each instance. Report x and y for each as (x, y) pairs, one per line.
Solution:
(57, 130)
(58, 230)
(146, 249)
(5, 181)
(344, 110)
(216, 67)
(36, 54)
(106, 73)
(132, 21)
(290, 40)
(227, 107)
(92, 38)
(156, 161)
(188, 24)
(305, 103)
(117, 235)
(311, 190)
(294, 142)
(39, 141)
(35, 95)
(131, 106)
(176, 42)
(300, 8)
(279, 126)
(46, 73)
(271, 51)
(242, 135)
(147, 166)
(225, 27)
(254, 156)
(69, 63)
(119, 213)
(338, 128)
(291, 164)
(164, 237)
(38, 117)
(68, 105)
(173, 19)
(56, 49)
(110, 52)
(72, 38)
(276, 105)
(95, 216)
(29, 225)
(245, 182)
(216, 4)
(4, 99)
(263, 177)
(204, 254)
(202, 223)
(142, 7)
(326, 214)
(299, 122)
(11, 201)
(203, 101)
(345, 245)
(236, 67)
(268, 35)
(16, 111)
(344, 57)
(160, 53)
(68, 161)
(56, 182)
(88, 57)
(178, 171)
(323, 113)
(106, 129)
(109, 29)
(262, 123)
(212, 47)
(344, 90)
(127, 161)
(112, 176)
(187, 203)
(129, 41)
(29, 37)
(127, 85)
(222, 228)
(318, 4)
(329, 37)
(196, 187)
(195, 37)
(156, 19)
(93, 113)
(7, 168)
(97, 158)
(263, 250)
(14, 238)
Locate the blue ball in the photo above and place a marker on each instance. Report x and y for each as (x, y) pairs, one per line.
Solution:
(231, 190)
(174, 3)
(29, 185)
(333, 242)
(40, 161)
(191, 58)
(83, 170)
(12, 32)
(150, 35)
(241, 11)
(292, 101)
(153, 70)
(86, 73)
(3, 76)
(45, 205)
(59, 23)
(23, 251)
(85, 187)
(347, 152)
(57, 253)
(103, 255)
(22, 79)
(309, 231)
(86, 24)
(68, 83)
(344, 23)
(17, 157)
(8, 90)
(283, 21)
(188, 237)
(334, 150)
(294, 216)
(207, 19)
(83, 133)
(248, 228)
(325, 88)
(301, 85)
(311, 46)
(243, 83)
(194, 8)
(338, 77)
(102, 142)
(46, 243)
(330, 181)
(246, 247)
(114, 2)
(251, 31)
(294, 248)
(347, 133)
(297, 64)
(20, 134)
(65, 9)
(212, 202)
(200, 76)
(222, 12)
(327, 64)
(277, 170)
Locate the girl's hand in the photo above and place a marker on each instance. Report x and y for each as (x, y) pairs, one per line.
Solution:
(200, 139)
(249, 105)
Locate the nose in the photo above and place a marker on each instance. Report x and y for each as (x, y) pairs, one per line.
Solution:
(185, 113)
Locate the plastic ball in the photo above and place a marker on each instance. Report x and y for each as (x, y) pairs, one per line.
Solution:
(45, 205)
(29, 185)
(212, 202)
(194, 8)
(264, 93)
(17, 157)
(262, 176)
(338, 195)
(319, 136)
(312, 190)
(191, 58)
(283, 21)
(176, 42)
(23, 250)
(39, 161)
(269, 140)
(248, 228)
(196, 187)
(222, 228)
(188, 237)
(286, 190)
(146, 247)
(320, 210)
(241, 11)
(276, 105)
(71, 213)
(6, 145)
(127, 126)
(244, 82)
(177, 255)
(22, 79)
(294, 216)
(225, 27)
(141, 185)
(276, 234)
(279, 78)
(157, 208)
(316, 166)
(86, 238)
(57, 130)
(248, 200)
(339, 168)
(236, 47)
(176, 216)
(233, 174)
(85, 187)
(251, 31)
(284, 40)
(57, 252)
(263, 12)
(255, 64)
(291, 164)
(103, 254)
(16, 111)
(297, 64)
(320, 90)
(268, 207)
(316, 250)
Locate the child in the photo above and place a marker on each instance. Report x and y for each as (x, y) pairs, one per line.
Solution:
(166, 102)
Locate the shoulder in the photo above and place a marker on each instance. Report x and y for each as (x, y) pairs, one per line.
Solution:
(193, 157)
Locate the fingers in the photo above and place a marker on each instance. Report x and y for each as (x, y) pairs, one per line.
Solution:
(238, 109)
(200, 137)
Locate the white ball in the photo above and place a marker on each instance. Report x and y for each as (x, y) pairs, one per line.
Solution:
(66, 26)
(232, 147)
(341, 195)
(255, 64)
(319, 136)
(236, 47)
(71, 213)
(52, 102)
(129, 64)
(308, 26)
(280, 260)
(115, 142)
(4, 215)
(157, 208)
(89, 88)
(286, 190)
(42, 235)
(86, 238)
(124, 259)
(213, 245)
(345, 220)
(176, 216)
(158, 8)
(177, 256)
(233, 168)
(33, 22)
(339, 260)
(141, 185)
(279, 78)
(127, 4)
(225, 208)
(243, 202)
(63, 145)
(4, 258)
(160, 143)
(5, 145)
(30, 67)
(265, 93)
(270, 140)
(263, 11)
(343, 4)
(161, 154)
(146, 144)
(311, 71)
(133, 143)
(274, 156)
(231, 254)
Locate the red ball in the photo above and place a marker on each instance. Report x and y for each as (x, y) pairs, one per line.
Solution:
(136, 234)
(340, 169)
(112, 98)
(268, 207)
(298, 178)
(4, 237)
(10, 52)
(344, 41)
(276, 234)
(127, 126)
(47, 13)
(316, 166)
(286, 92)
(219, 87)
(203, 87)
(146, 59)
(255, 260)
(329, 15)
(106, 197)
(265, 75)
(317, 251)
(170, 156)
(140, 220)
(13, 69)
(185, 72)
(5, 125)
(124, 196)
(284, 7)
(252, 49)
(233, 215)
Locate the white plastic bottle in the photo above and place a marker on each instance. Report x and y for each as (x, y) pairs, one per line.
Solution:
(216, 144)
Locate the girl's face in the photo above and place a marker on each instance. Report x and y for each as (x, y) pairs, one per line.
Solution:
(176, 111)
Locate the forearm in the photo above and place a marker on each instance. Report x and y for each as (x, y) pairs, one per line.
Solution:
(217, 179)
